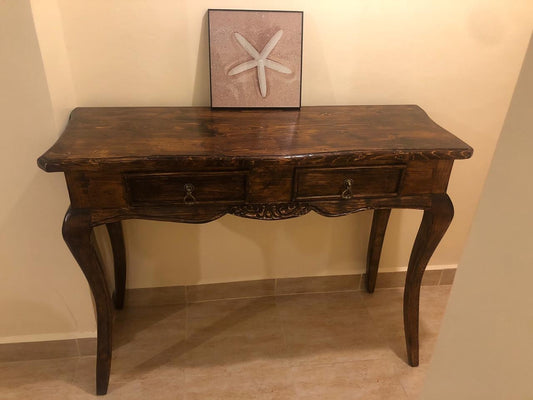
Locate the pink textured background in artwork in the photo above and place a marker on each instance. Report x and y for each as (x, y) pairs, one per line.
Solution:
(258, 27)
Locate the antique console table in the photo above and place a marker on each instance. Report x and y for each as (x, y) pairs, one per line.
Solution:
(195, 164)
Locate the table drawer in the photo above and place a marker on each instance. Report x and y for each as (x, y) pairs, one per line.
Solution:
(187, 188)
(347, 183)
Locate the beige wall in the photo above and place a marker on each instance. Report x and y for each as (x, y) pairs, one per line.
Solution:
(458, 60)
(484, 350)
(42, 296)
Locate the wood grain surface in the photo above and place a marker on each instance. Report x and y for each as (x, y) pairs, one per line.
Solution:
(128, 134)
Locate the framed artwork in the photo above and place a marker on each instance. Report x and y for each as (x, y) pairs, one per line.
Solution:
(255, 58)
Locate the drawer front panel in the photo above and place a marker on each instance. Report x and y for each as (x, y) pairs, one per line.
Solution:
(187, 188)
(347, 183)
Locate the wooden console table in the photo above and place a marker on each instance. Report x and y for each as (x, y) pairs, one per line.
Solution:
(195, 165)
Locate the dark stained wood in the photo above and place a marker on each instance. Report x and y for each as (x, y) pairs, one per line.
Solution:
(186, 188)
(441, 176)
(375, 244)
(340, 208)
(271, 212)
(116, 236)
(347, 183)
(434, 224)
(77, 234)
(194, 165)
(118, 136)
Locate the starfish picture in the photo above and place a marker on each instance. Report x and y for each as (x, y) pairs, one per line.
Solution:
(260, 60)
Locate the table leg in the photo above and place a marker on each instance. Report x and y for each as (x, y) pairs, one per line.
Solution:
(434, 224)
(77, 234)
(119, 262)
(375, 244)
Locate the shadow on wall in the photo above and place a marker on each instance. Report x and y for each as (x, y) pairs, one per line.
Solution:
(41, 288)
(308, 245)
(399, 238)
(313, 36)
(200, 96)
(162, 253)
(237, 249)
(33, 274)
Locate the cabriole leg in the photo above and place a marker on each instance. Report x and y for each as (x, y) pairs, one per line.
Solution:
(119, 261)
(375, 244)
(434, 224)
(77, 230)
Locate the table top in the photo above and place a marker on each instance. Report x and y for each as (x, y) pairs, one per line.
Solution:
(96, 136)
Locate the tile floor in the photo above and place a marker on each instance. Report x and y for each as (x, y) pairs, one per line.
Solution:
(346, 345)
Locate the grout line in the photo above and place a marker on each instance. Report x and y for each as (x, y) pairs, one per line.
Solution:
(78, 347)
(232, 298)
(276, 288)
(319, 292)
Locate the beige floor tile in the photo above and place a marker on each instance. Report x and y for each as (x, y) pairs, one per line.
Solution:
(313, 346)
(385, 308)
(232, 335)
(41, 391)
(383, 297)
(342, 350)
(216, 307)
(232, 317)
(338, 328)
(146, 339)
(237, 353)
(425, 348)
(319, 303)
(139, 327)
(261, 384)
(314, 322)
(138, 363)
(368, 380)
(153, 340)
(161, 381)
(435, 296)
(39, 379)
(22, 372)
(412, 379)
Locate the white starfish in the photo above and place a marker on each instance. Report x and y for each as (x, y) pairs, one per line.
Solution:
(260, 60)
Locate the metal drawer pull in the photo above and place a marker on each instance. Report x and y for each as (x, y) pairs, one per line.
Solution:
(347, 192)
(189, 197)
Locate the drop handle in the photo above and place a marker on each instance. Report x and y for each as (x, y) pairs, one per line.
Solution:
(189, 197)
(347, 192)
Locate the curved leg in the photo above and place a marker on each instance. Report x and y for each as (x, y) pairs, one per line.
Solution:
(77, 234)
(433, 227)
(375, 244)
(119, 262)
